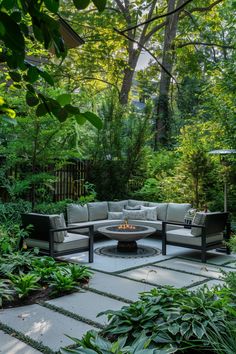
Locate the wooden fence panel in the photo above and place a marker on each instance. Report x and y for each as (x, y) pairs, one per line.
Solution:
(69, 184)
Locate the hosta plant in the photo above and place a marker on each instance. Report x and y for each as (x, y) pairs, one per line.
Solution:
(170, 316)
(61, 283)
(24, 284)
(16, 263)
(93, 343)
(6, 291)
(77, 272)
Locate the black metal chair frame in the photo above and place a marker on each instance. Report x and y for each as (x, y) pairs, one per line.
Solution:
(46, 233)
(204, 247)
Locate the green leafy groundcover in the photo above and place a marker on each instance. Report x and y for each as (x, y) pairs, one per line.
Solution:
(169, 320)
(26, 278)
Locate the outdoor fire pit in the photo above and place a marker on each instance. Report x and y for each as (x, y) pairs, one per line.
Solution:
(126, 235)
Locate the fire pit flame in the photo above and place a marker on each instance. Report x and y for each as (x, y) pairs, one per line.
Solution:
(126, 226)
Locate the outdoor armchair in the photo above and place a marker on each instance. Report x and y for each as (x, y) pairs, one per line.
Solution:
(56, 241)
(203, 236)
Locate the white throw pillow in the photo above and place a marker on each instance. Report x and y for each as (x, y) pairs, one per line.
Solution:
(115, 215)
(134, 214)
(151, 212)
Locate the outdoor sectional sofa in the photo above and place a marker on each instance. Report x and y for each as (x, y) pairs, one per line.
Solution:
(170, 220)
(138, 212)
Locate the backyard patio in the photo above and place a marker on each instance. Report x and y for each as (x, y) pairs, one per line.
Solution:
(116, 282)
(117, 177)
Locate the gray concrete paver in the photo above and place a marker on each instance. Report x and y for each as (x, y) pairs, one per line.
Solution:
(43, 325)
(116, 285)
(88, 304)
(11, 345)
(160, 276)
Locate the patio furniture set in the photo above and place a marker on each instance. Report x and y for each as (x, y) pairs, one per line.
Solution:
(125, 221)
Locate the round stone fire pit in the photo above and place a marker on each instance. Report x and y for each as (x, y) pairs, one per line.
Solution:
(126, 235)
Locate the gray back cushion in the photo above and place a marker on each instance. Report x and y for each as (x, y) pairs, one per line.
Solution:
(117, 206)
(98, 211)
(115, 215)
(136, 207)
(161, 210)
(77, 213)
(176, 211)
(58, 222)
(134, 214)
(133, 202)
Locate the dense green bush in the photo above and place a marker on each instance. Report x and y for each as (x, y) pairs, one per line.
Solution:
(170, 320)
(10, 213)
(53, 207)
(10, 237)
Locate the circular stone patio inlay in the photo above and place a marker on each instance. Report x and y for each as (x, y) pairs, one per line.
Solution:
(142, 251)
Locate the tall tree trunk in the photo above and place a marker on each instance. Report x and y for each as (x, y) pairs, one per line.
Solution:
(163, 116)
(133, 53)
(128, 76)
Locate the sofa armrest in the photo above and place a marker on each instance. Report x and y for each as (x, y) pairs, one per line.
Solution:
(164, 223)
(71, 228)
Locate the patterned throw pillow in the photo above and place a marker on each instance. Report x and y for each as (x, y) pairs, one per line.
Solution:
(134, 214)
(188, 218)
(151, 212)
(199, 219)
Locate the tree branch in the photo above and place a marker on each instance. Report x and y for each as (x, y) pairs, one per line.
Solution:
(159, 16)
(149, 52)
(207, 8)
(97, 79)
(205, 44)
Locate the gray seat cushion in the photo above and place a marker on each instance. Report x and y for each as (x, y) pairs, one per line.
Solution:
(72, 241)
(184, 236)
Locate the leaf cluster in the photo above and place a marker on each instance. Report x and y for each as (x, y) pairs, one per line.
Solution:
(24, 273)
(176, 317)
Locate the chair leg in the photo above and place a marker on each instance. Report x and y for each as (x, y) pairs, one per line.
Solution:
(164, 239)
(91, 242)
(163, 247)
(203, 256)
